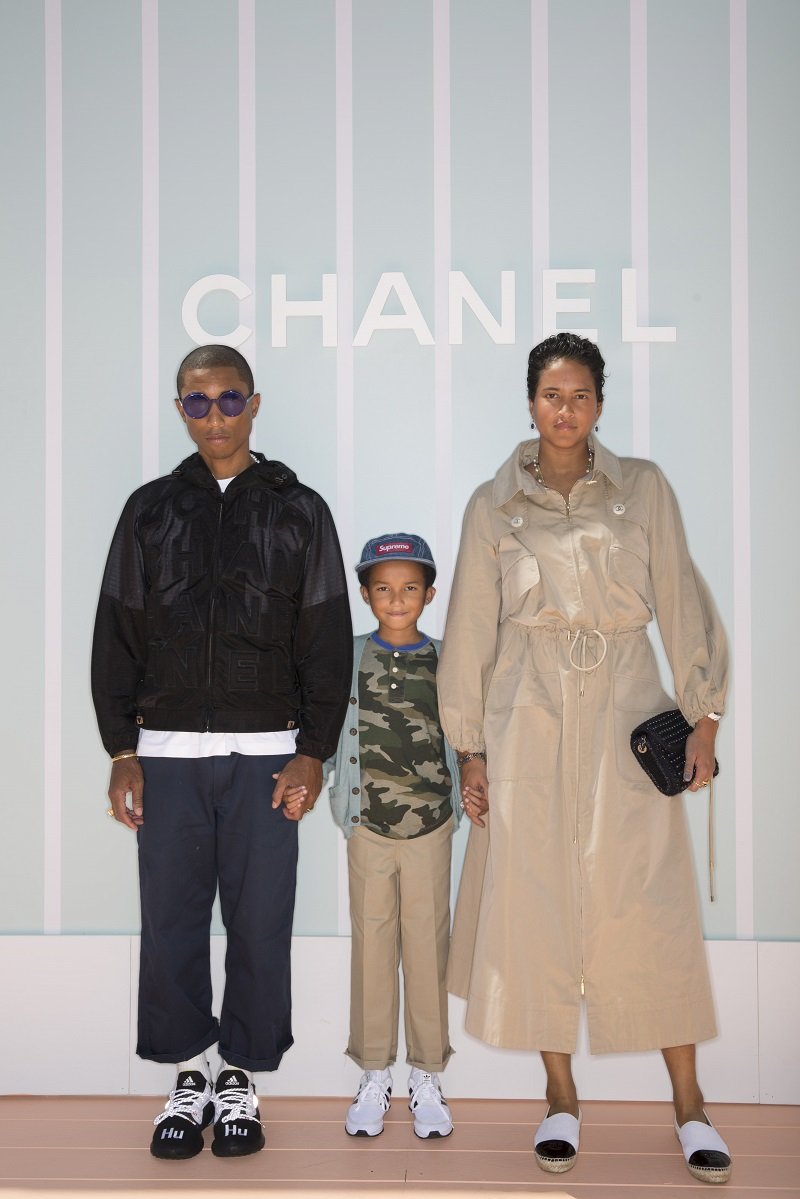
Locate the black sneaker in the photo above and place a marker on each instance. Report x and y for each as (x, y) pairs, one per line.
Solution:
(237, 1128)
(179, 1128)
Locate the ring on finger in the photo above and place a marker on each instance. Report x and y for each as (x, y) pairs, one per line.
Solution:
(109, 811)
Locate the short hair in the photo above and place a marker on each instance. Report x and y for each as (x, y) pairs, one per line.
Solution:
(566, 345)
(207, 357)
(428, 574)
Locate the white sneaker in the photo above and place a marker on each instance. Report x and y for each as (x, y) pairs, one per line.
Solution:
(365, 1114)
(431, 1113)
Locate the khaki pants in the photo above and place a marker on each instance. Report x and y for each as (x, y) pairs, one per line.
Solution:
(400, 910)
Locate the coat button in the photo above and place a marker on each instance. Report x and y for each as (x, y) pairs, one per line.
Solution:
(353, 699)
(393, 686)
(618, 509)
(354, 732)
(516, 522)
(355, 819)
(356, 790)
(353, 761)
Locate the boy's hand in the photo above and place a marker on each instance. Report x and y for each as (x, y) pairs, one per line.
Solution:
(475, 790)
(297, 786)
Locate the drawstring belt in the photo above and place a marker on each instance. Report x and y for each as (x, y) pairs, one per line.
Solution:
(579, 640)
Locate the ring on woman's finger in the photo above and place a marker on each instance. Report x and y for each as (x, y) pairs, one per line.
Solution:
(109, 811)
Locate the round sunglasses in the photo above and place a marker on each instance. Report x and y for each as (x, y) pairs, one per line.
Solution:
(230, 403)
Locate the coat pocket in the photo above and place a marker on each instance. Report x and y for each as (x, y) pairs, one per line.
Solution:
(522, 722)
(628, 571)
(520, 583)
(634, 700)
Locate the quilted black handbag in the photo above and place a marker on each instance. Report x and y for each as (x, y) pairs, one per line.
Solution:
(659, 746)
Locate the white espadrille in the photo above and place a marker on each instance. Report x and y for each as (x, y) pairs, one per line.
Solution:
(706, 1154)
(556, 1142)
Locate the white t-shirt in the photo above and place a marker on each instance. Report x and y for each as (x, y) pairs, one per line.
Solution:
(155, 744)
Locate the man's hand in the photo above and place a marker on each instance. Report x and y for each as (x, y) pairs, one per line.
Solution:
(475, 790)
(297, 786)
(699, 765)
(127, 779)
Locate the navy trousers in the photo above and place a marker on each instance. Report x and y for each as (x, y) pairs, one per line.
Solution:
(208, 823)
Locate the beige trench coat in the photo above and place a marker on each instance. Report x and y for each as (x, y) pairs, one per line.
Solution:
(583, 882)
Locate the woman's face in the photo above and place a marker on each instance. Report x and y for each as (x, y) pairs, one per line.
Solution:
(565, 406)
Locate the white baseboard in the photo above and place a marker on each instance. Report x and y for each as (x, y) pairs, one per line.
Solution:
(68, 1009)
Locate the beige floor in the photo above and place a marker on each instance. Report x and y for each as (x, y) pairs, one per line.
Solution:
(91, 1146)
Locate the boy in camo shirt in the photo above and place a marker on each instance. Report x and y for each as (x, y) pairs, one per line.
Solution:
(396, 800)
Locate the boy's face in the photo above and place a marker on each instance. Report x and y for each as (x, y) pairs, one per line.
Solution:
(397, 594)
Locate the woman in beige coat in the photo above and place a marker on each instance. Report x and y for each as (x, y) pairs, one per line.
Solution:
(580, 885)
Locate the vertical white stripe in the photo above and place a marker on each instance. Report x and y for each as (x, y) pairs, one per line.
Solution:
(345, 452)
(442, 253)
(247, 178)
(540, 155)
(53, 389)
(640, 233)
(740, 417)
(151, 382)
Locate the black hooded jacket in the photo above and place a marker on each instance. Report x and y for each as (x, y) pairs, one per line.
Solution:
(223, 612)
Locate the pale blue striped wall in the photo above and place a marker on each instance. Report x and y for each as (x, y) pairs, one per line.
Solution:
(395, 473)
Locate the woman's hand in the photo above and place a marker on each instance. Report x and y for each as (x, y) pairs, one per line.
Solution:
(475, 790)
(699, 764)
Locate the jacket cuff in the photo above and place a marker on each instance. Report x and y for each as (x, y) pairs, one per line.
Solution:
(313, 749)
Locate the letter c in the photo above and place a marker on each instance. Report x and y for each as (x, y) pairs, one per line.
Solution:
(191, 303)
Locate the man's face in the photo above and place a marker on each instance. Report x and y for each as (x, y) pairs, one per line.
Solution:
(223, 441)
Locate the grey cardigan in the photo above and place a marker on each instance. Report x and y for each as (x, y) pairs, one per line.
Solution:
(345, 794)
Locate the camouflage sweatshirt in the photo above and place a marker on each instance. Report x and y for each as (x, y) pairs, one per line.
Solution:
(395, 772)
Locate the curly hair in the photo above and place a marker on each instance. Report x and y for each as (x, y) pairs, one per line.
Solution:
(208, 357)
(566, 345)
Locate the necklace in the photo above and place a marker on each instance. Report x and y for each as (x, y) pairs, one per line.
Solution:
(537, 472)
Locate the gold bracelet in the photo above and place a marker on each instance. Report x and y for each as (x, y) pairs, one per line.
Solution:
(128, 753)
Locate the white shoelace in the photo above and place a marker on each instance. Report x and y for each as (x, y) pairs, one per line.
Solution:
(371, 1091)
(186, 1102)
(235, 1103)
(426, 1091)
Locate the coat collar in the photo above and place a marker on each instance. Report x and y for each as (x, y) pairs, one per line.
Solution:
(263, 471)
(512, 478)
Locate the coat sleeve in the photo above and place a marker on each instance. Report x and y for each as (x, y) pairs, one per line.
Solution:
(119, 642)
(323, 643)
(468, 653)
(690, 625)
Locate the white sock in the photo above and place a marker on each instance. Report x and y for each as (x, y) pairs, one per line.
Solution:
(198, 1063)
(227, 1066)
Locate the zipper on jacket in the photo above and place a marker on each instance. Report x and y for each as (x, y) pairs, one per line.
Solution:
(576, 842)
(212, 605)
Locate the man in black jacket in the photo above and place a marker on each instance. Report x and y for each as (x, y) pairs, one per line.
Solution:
(220, 675)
